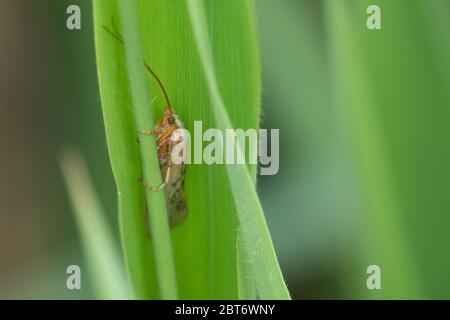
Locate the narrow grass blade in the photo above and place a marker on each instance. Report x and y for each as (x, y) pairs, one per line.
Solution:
(124, 154)
(143, 116)
(246, 283)
(103, 259)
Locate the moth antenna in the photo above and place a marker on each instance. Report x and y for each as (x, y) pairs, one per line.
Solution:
(116, 34)
(166, 96)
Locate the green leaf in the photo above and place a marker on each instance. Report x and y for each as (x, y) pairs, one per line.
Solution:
(205, 245)
(246, 283)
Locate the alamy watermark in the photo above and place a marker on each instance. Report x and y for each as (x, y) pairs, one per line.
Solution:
(374, 278)
(374, 20)
(73, 281)
(73, 21)
(229, 146)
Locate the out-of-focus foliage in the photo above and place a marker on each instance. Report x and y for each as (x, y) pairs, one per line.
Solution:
(365, 117)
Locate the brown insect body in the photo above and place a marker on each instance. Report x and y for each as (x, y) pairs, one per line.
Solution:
(174, 189)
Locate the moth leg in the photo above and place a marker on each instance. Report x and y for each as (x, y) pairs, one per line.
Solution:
(148, 132)
(162, 185)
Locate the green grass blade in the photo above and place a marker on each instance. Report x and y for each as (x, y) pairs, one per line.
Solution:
(124, 154)
(156, 202)
(246, 283)
(102, 256)
(256, 239)
(204, 246)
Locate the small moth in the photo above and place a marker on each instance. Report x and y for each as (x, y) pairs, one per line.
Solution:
(173, 174)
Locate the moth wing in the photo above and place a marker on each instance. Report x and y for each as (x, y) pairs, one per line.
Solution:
(176, 202)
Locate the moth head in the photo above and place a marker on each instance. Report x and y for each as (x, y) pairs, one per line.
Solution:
(169, 120)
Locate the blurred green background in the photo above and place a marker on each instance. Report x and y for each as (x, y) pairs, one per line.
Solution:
(364, 119)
